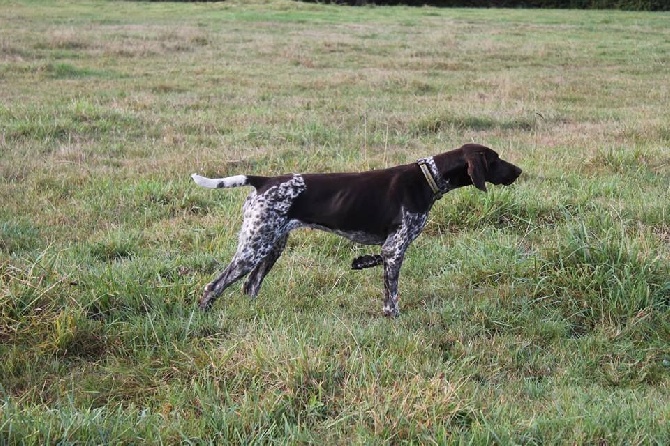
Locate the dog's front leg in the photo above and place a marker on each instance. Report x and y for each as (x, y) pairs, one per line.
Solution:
(393, 258)
(393, 254)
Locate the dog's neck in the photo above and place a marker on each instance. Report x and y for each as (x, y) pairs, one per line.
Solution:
(437, 183)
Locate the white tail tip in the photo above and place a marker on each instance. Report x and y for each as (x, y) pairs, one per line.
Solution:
(205, 182)
(214, 183)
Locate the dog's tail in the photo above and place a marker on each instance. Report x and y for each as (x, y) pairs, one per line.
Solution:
(367, 261)
(214, 183)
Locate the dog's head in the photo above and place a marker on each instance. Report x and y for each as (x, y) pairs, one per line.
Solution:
(484, 165)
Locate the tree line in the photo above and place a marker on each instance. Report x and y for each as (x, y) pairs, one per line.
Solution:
(627, 5)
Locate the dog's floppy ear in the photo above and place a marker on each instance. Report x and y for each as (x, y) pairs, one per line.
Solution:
(477, 168)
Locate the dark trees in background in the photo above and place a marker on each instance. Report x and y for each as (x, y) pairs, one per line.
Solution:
(628, 5)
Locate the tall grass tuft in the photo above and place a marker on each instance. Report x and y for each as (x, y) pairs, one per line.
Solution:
(601, 273)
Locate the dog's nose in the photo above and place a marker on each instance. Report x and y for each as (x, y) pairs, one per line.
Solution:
(514, 173)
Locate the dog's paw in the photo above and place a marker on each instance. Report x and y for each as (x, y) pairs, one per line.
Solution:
(207, 298)
(391, 311)
(366, 261)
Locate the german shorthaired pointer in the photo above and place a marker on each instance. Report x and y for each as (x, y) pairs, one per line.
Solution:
(386, 207)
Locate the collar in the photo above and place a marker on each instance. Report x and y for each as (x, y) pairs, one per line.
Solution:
(430, 172)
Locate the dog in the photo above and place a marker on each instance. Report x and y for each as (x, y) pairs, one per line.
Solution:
(387, 207)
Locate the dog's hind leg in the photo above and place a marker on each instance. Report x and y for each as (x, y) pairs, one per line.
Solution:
(255, 279)
(236, 269)
(256, 244)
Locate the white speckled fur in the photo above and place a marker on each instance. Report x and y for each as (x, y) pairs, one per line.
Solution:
(262, 238)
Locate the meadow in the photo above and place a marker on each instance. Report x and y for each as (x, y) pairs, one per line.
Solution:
(533, 314)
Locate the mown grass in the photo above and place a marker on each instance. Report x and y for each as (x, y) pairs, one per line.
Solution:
(535, 314)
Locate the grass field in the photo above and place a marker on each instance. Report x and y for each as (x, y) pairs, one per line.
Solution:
(534, 314)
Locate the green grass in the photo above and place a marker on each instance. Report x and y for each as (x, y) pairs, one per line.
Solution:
(534, 314)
